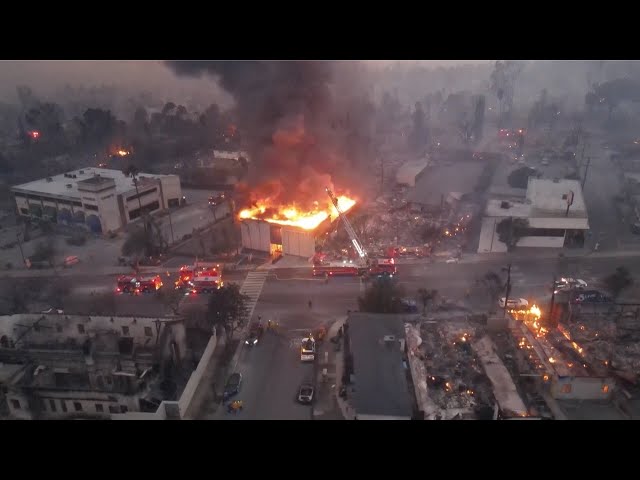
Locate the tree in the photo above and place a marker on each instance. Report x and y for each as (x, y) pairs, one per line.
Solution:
(44, 252)
(418, 137)
(140, 122)
(382, 296)
(227, 309)
(511, 230)
(426, 296)
(494, 285)
(519, 178)
(502, 83)
(171, 298)
(98, 125)
(618, 281)
(478, 117)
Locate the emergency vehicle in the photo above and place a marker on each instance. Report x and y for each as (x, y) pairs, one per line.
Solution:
(204, 284)
(188, 273)
(135, 285)
(308, 349)
(382, 267)
(336, 269)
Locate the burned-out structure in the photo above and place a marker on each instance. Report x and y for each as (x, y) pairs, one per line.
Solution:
(78, 366)
(276, 239)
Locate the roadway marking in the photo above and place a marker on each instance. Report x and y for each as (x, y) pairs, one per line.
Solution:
(297, 278)
(252, 288)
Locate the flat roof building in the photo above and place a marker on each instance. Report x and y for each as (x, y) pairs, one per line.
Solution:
(98, 199)
(379, 371)
(555, 210)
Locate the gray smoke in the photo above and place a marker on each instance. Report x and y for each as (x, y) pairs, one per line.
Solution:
(288, 118)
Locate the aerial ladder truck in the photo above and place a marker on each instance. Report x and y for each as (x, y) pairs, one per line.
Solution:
(364, 264)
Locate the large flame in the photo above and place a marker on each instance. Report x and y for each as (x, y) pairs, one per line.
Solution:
(292, 215)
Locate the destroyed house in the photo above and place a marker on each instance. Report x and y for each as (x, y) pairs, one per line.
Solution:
(377, 367)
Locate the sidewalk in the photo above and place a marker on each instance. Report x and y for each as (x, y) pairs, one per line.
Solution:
(328, 404)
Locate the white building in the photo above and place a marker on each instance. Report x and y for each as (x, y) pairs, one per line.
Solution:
(103, 200)
(555, 210)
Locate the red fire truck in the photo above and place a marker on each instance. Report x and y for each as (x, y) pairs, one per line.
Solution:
(204, 284)
(189, 272)
(136, 285)
(383, 266)
(336, 269)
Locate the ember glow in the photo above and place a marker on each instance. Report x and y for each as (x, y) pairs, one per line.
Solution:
(292, 215)
(122, 153)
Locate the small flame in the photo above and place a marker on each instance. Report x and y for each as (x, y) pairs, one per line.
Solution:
(122, 153)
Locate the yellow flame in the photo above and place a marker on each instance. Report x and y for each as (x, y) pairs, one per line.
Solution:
(291, 215)
(535, 310)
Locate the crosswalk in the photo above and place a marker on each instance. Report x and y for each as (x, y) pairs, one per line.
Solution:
(252, 288)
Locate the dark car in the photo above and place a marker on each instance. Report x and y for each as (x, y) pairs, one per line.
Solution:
(305, 394)
(591, 296)
(252, 339)
(232, 387)
(635, 228)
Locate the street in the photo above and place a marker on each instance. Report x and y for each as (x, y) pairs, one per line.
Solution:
(272, 371)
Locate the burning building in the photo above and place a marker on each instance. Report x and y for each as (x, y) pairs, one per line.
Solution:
(288, 230)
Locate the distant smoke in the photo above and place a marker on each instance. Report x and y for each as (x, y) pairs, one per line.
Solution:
(288, 118)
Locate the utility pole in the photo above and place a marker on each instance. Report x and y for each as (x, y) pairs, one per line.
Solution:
(24, 261)
(586, 172)
(508, 289)
(171, 226)
(381, 175)
(553, 300)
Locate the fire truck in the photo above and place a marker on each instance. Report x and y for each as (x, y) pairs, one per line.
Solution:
(136, 285)
(363, 265)
(336, 269)
(188, 273)
(204, 284)
(308, 349)
(383, 267)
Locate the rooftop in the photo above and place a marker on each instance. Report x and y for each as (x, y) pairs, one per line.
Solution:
(408, 171)
(505, 208)
(551, 197)
(380, 375)
(437, 181)
(57, 185)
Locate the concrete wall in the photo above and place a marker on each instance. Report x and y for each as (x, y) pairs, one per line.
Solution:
(544, 242)
(298, 242)
(256, 235)
(379, 417)
(489, 242)
(582, 388)
(195, 380)
(171, 189)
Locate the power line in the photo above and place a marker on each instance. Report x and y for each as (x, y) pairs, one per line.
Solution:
(586, 172)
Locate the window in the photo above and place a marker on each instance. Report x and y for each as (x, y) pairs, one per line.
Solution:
(100, 381)
(543, 232)
(142, 194)
(99, 408)
(123, 409)
(125, 330)
(108, 380)
(59, 328)
(114, 409)
(77, 204)
(566, 388)
(24, 211)
(52, 405)
(77, 406)
(80, 328)
(605, 388)
(15, 404)
(148, 331)
(91, 207)
(63, 405)
(133, 214)
(43, 405)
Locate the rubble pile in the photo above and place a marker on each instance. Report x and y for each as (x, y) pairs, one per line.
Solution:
(608, 343)
(456, 381)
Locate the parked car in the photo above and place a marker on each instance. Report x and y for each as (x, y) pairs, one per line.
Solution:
(305, 394)
(514, 302)
(233, 385)
(570, 284)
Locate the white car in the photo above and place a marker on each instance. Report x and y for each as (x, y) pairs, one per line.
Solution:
(570, 284)
(308, 350)
(514, 302)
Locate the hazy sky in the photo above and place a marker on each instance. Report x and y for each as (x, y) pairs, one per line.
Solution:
(47, 76)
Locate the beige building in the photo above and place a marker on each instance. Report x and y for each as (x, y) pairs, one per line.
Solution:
(555, 210)
(77, 366)
(99, 199)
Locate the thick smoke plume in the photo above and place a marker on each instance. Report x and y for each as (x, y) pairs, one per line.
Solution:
(294, 129)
